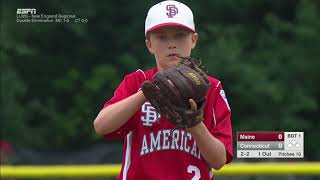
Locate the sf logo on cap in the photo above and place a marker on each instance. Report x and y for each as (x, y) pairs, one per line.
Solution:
(172, 10)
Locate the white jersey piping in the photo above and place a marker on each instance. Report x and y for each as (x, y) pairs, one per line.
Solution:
(145, 77)
(128, 156)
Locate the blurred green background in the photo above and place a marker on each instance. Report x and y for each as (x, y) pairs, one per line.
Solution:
(55, 77)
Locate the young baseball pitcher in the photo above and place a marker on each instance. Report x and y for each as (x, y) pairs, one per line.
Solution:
(154, 148)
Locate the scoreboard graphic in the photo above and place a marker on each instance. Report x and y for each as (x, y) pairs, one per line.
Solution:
(270, 144)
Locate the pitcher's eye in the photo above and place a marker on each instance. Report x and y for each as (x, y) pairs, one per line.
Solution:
(181, 34)
(161, 37)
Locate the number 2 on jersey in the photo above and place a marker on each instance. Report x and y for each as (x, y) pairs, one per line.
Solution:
(196, 171)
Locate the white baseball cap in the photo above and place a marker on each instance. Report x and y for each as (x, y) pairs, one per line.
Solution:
(169, 13)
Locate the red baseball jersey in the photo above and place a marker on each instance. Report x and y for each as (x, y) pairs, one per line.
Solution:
(152, 150)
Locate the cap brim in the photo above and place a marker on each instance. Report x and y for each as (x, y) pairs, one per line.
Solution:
(169, 24)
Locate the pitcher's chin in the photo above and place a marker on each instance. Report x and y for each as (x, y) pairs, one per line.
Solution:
(174, 62)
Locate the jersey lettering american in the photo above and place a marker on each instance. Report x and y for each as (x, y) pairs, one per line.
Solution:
(154, 149)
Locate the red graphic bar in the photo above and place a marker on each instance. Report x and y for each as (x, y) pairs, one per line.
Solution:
(260, 136)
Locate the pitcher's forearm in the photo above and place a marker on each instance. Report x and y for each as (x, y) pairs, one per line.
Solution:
(211, 148)
(115, 115)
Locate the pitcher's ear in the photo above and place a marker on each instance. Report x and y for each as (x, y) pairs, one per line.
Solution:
(149, 45)
(194, 39)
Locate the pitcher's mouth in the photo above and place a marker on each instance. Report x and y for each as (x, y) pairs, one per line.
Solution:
(173, 54)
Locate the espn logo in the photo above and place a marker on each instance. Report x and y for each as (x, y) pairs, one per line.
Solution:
(26, 11)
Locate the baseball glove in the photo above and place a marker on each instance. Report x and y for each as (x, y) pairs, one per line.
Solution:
(170, 90)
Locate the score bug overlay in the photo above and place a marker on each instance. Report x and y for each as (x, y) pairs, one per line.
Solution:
(273, 144)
